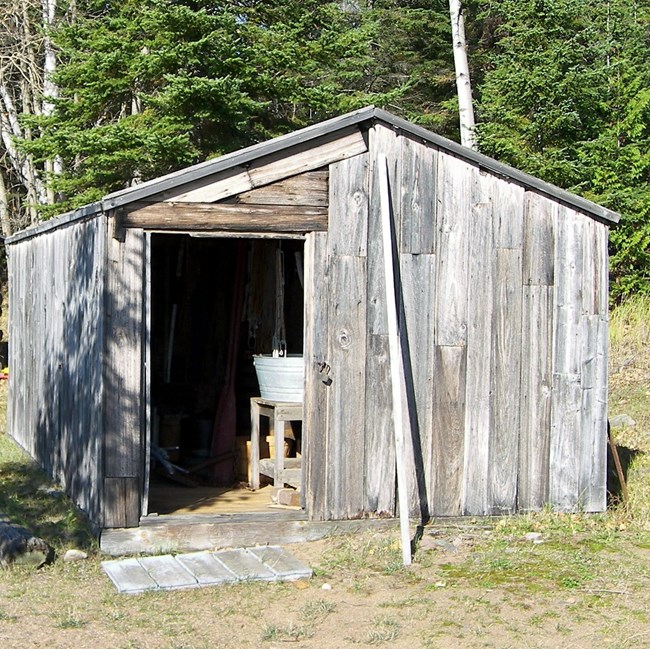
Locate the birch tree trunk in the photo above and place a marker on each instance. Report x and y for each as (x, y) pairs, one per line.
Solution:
(463, 83)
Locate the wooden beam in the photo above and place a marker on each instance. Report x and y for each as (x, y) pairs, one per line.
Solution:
(310, 188)
(222, 216)
(308, 156)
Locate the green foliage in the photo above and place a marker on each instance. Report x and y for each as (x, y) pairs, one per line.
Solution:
(149, 87)
(564, 96)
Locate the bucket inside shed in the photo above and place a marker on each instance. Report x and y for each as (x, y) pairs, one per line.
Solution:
(281, 378)
(213, 315)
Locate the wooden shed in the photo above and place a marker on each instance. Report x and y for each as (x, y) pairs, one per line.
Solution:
(134, 322)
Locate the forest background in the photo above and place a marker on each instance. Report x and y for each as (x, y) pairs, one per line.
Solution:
(98, 95)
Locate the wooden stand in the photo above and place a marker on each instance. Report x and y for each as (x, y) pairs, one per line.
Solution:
(278, 412)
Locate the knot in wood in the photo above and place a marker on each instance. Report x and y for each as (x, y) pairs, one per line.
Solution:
(344, 339)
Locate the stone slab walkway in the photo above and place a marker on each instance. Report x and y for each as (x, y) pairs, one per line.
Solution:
(200, 569)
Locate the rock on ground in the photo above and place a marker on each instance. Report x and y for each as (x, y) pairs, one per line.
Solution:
(18, 546)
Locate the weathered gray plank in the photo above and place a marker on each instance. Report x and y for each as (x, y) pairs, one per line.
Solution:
(123, 357)
(282, 563)
(269, 169)
(418, 197)
(205, 568)
(507, 359)
(539, 240)
(449, 370)
(308, 189)
(346, 408)
(592, 487)
(348, 206)
(536, 387)
(568, 288)
(168, 573)
(481, 305)
(232, 217)
(380, 460)
(508, 212)
(121, 502)
(245, 565)
(382, 140)
(456, 180)
(564, 455)
(316, 354)
(128, 576)
(417, 289)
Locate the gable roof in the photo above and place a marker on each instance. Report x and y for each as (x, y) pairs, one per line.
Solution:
(368, 115)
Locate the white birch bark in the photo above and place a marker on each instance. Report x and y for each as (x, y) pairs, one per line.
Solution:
(463, 82)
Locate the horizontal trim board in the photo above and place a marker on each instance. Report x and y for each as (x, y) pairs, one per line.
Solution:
(225, 216)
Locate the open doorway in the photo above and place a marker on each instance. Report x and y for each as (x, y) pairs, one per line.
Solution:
(215, 304)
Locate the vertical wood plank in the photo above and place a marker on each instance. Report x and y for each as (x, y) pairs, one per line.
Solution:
(418, 281)
(564, 455)
(506, 397)
(508, 212)
(418, 197)
(379, 466)
(449, 368)
(315, 431)
(123, 357)
(382, 140)
(481, 304)
(348, 206)
(536, 387)
(540, 218)
(346, 408)
(455, 191)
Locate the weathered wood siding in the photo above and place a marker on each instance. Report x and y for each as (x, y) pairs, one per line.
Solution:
(124, 385)
(504, 309)
(56, 332)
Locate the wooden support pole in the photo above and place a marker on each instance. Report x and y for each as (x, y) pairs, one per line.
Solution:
(396, 362)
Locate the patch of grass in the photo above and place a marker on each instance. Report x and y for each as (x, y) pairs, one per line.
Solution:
(71, 620)
(288, 633)
(28, 498)
(317, 610)
(383, 630)
(376, 554)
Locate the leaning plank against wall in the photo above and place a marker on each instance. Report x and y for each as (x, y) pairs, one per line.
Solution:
(56, 304)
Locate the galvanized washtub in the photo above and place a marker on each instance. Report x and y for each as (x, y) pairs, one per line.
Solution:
(281, 378)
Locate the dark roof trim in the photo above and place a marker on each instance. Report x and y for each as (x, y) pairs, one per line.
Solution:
(236, 158)
(245, 156)
(500, 169)
(79, 214)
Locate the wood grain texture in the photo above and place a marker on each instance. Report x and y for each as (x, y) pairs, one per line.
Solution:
(121, 502)
(536, 388)
(565, 442)
(56, 328)
(348, 201)
(230, 217)
(315, 432)
(308, 189)
(449, 369)
(417, 289)
(418, 190)
(346, 407)
(507, 352)
(123, 421)
(481, 306)
(379, 467)
(540, 221)
(269, 169)
(456, 180)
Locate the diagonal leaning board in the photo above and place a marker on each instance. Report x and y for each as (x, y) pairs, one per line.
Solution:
(200, 569)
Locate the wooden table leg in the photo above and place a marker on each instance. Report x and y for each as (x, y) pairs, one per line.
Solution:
(255, 445)
(278, 432)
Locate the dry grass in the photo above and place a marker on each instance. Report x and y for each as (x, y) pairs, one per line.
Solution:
(584, 585)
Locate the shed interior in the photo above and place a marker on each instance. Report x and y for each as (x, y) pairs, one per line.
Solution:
(215, 303)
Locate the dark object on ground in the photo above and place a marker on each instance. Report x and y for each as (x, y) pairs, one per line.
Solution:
(20, 547)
